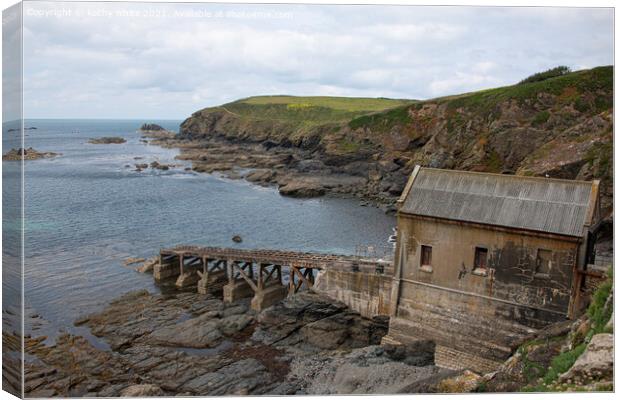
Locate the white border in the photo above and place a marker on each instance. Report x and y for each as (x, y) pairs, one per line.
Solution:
(511, 3)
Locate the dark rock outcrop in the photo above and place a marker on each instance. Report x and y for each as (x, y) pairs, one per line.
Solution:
(316, 321)
(108, 140)
(27, 154)
(193, 344)
(151, 127)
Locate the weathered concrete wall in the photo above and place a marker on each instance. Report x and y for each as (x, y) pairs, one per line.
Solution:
(470, 324)
(476, 318)
(364, 291)
(511, 262)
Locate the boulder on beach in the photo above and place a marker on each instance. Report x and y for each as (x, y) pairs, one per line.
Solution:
(162, 167)
(144, 390)
(597, 361)
(260, 175)
(302, 187)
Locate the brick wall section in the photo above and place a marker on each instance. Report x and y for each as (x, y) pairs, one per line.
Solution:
(450, 358)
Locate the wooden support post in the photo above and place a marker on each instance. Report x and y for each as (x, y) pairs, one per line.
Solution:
(261, 283)
(181, 261)
(301, 280)
(291, 280)
(229, 270)
(269, 275)
(309, 275)
(247, 278)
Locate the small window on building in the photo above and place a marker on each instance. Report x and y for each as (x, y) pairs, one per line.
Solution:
(480, 258)
(426, 259)
(427, 255)
(543, 262)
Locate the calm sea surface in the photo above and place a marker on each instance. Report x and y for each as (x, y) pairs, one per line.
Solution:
(86, 211)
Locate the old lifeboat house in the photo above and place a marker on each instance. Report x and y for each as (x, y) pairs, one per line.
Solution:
(482, 260)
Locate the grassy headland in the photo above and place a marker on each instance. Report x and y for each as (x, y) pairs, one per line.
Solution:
(557, 124)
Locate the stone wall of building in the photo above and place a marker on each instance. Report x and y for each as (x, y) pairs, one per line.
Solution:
(476, 317)
(483, 329)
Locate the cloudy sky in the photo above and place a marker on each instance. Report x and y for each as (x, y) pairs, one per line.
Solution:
(159, 61)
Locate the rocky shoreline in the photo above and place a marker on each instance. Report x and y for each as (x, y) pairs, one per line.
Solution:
(291, 170)
(191, 344)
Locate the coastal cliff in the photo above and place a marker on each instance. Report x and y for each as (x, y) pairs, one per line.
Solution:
(559, 127)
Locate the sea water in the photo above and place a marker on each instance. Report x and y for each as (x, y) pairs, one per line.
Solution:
(88, 210)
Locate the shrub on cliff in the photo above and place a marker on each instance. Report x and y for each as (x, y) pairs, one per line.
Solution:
(600, 311)
(550, 73)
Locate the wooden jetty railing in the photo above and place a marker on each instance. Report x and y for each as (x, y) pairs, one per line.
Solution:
(241, 273)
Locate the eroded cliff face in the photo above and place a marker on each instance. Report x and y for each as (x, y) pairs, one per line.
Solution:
(561, 127)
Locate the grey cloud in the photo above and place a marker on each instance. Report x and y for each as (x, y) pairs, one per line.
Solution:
(168, 67)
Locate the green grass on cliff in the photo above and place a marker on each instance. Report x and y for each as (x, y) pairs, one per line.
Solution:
(396, 116)
(570, 86)
(352, 104)
(308, 111)
(589, 91)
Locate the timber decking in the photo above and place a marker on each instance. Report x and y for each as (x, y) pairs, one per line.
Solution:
(275, 257)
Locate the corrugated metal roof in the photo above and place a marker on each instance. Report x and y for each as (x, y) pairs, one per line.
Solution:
(539, 204)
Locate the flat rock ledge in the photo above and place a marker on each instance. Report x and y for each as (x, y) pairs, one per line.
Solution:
(192, 344)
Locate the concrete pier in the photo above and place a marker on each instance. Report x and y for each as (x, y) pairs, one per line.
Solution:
(187, 279)
(237, 290)
(253, 273)
(212, 282)
(268, 296)
(168, 267)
